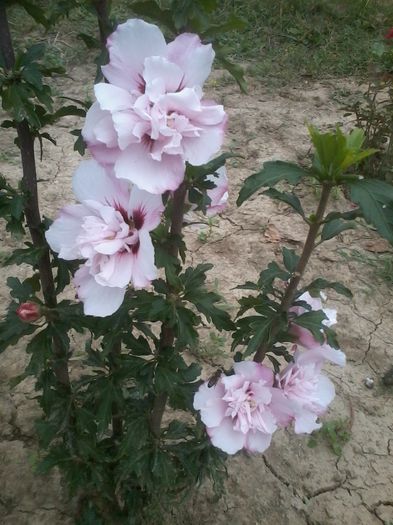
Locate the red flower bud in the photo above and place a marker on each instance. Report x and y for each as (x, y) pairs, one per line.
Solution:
(29, 312)
(389, 34)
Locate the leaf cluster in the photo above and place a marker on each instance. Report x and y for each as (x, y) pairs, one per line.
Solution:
(12, 204)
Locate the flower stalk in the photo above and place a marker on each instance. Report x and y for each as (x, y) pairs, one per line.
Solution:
(167, 335)
(31, 208)
(293, 284)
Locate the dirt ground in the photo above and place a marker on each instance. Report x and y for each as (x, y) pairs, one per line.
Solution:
(292, 483)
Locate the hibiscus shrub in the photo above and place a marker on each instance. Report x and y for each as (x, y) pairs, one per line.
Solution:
(153, 136)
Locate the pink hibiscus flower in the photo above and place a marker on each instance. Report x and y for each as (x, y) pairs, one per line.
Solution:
(311, 392)
(242, 410)
(110, 229)
(305, 338)
(151, 118)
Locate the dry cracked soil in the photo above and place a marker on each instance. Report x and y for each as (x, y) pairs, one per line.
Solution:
(292, 484)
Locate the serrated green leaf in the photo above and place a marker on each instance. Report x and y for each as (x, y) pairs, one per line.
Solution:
(288, 198)
(271, 173)
(321, 284)
(198, 172)
(375, 199)
(312, 321)
(290, 259)
(334, 227)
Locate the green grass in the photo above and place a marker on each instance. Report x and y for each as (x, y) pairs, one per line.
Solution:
(287, 40)
(284, 41)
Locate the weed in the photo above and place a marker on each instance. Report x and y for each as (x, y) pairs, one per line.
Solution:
(335, 434)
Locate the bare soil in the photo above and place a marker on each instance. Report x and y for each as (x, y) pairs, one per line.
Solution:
(292, 483)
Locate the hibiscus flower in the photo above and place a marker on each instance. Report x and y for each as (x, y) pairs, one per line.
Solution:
(151, 119)
(242, 410)
(110, 230)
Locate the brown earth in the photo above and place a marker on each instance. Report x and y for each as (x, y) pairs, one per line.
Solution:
(292, 483)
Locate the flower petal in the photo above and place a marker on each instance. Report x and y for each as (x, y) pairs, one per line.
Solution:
(198, 150)
(136, 164)
(99, 301)
(194, 58)
(209, 402)
(92, 182)
(305, 422)
(62, 233)
(258, 441)
(161, 76)
(226, 438)
(145, 208)
(254, 372)
(128, 47)
(112, 98)
(144, 269)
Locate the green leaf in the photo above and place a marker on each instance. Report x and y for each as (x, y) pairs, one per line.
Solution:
(22, 290)
(30, 255)
(35, 12)
(197, 172)
(313, 322)
(153, 11)
(232, 23)
(185, 322)
(290, 258)
(336, 152)
(268, 276)
(334, 227)
(375, 199)
(234, 69)
(260, 330)
(271, 173)
(12, 328)
(321, 284)
(288, 198)
(346, 215)
(89, 41)
(206, 302)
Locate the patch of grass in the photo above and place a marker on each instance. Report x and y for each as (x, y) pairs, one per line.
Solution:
(289, 40)
(335, 434)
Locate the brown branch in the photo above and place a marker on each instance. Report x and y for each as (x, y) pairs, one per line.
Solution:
(167, 335)
(31, 209)
(308, 248)
(104, 26)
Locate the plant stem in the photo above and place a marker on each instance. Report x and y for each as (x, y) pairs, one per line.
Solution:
(117, 421)
(102, 10)
(291, 289)
(31, 210)
(167, 335)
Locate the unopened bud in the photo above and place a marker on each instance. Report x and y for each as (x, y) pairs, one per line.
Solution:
(29, 312)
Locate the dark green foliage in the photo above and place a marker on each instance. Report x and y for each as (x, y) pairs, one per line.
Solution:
(375, 199)
(271, 173)
(12, 204)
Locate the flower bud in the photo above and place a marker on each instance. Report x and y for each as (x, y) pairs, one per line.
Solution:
(29, 312)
